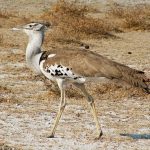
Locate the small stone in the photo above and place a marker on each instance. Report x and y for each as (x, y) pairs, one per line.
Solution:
(87, 47)
(129, 52)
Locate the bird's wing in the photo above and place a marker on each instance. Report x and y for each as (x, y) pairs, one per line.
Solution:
(81, 62)
(84, 63)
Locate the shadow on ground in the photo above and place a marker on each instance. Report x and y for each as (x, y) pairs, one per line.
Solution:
(137, 136)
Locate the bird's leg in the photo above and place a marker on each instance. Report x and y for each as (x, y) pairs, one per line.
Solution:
(99, 131)
(92, 105)
(61, 108)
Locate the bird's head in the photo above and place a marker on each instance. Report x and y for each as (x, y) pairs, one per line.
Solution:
(33, 28)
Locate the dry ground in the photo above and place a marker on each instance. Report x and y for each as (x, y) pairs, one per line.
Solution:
(28, 106)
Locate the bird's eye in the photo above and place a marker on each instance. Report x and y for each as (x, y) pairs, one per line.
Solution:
(30, 25)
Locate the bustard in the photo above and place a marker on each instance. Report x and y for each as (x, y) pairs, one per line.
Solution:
(75, 67)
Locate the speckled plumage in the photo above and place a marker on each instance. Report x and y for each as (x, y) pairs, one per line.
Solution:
(59, 71)
(84, 64)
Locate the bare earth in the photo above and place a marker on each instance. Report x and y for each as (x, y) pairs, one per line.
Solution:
(28, 106)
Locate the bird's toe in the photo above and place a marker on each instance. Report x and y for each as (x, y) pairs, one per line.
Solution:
(99, 136)
(51, 136)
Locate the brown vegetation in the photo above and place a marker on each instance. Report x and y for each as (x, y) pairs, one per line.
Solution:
(132, 17)
(71, 22)
(4, 14)
(29, 103)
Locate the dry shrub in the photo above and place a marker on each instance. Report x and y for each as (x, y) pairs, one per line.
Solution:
(4, 14)
(132, 17)
(117, 92)
(71, 22)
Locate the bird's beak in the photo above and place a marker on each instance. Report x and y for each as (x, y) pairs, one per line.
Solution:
(17, 29)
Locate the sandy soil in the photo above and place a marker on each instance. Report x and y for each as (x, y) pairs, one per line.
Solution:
(28, 105)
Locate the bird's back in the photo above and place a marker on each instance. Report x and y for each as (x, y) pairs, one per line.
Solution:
(89, 64)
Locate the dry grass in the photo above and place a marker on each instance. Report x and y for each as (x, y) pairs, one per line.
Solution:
(4, 42)
(5, 14)
(4, 146)
(10, 19)
(4, 91)
(99, 91)
(132, 17)
(71, 22)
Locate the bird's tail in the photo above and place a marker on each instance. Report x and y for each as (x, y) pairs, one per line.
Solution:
(134, 77)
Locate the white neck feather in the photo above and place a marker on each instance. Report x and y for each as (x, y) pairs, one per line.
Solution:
(33, 50)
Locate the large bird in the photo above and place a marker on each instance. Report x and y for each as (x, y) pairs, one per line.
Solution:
(75, 67)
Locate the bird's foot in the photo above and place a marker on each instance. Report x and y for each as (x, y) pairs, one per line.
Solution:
(99, 136)
(51, 136)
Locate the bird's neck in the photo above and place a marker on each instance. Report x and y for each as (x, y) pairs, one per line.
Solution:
(33, 50)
